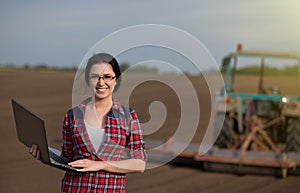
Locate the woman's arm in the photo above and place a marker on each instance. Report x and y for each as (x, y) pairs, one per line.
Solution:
(123, 166)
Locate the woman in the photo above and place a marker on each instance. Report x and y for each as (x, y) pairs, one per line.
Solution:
(101, 138)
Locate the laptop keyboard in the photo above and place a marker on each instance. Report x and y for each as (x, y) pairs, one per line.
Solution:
(57, 158)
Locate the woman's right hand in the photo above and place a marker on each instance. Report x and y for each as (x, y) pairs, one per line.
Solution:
(35, 152)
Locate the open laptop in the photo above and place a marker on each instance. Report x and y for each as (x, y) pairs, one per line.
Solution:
(31, 130)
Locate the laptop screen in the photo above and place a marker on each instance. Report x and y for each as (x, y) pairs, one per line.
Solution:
(30, 129)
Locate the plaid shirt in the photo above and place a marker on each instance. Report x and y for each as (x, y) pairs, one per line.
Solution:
(123, 140)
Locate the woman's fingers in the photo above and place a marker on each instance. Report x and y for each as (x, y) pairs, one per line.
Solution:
(38, 154)
(79, 163)
(34, 151)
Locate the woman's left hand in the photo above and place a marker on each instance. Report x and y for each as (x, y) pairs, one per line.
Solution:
(86, 165)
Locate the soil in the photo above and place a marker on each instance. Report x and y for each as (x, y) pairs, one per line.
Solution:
(49, 94)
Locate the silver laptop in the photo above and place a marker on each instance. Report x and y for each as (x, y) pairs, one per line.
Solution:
(31, 130)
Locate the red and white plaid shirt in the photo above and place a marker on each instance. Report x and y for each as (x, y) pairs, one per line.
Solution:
(123, 140)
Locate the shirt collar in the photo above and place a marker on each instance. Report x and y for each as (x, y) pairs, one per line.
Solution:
(117, 106)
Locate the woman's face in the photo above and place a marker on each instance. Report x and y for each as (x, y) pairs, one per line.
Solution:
(102, 80)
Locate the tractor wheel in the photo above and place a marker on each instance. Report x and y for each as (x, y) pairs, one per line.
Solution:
(293, 135)
(225, 138)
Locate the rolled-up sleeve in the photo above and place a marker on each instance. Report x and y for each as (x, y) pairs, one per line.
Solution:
(136, 143)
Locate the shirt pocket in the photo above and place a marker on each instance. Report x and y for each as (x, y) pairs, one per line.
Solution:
(114, 145)
(116, 135)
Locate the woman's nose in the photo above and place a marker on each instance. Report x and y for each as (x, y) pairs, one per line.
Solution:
(101, 80)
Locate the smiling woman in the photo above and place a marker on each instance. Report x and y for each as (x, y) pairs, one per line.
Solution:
(101, 137)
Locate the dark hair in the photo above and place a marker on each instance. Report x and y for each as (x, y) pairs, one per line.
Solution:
(103, 58)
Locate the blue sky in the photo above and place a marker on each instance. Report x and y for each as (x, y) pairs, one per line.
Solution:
(59, 33)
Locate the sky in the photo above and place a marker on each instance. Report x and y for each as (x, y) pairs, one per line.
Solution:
(60, 33)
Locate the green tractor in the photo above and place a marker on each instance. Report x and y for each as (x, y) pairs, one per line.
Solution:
(261, 105)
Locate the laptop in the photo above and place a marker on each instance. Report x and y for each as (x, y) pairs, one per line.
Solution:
(31, 130)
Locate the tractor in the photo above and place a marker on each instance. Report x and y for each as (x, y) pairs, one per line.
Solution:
(256, 119)
(262, 122)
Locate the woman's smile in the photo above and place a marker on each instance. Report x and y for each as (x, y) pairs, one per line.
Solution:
(101, 90)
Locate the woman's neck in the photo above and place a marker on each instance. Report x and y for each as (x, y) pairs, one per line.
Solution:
(103, 103)
(96, 110)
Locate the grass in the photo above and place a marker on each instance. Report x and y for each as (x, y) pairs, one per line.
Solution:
(36, 68)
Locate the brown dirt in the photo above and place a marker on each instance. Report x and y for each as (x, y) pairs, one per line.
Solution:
(49, 95)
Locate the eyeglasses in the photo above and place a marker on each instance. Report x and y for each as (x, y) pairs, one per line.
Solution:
(105, 78)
